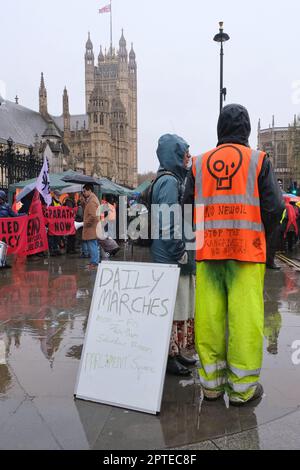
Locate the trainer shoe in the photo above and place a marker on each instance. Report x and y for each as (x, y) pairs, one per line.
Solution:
(91, 267)
(6, 266)
(211, 395)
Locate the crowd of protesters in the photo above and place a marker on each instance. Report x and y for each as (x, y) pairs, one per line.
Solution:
(286, 235)
(87, 242)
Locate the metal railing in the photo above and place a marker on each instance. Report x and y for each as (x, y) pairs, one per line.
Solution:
(16, 166)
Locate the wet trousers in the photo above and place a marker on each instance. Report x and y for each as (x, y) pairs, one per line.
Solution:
(229, 326)
(93, 251)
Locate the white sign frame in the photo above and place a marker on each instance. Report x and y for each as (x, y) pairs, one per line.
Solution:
(155, 405)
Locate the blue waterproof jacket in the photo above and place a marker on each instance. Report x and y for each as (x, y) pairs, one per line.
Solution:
(6, 211)
(168, 190)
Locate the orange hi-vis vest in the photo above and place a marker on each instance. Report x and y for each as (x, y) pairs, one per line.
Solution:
(227, 205)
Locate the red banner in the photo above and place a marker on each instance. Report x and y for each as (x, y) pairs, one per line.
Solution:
(13, 233)
(37, 240)
(27, 235)
(60, 220)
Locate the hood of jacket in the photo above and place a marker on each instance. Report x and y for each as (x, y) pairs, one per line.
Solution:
(170, 153)
(234, 125)
(4, 210)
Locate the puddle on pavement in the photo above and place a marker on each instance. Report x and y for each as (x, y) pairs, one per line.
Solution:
(43, 317)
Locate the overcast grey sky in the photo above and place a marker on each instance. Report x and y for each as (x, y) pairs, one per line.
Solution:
(178, 62)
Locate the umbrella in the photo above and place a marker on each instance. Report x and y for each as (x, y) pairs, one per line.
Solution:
(81, 179)
(291, 197)
(142, 187)
(25, 191)
(106, 186)
(74, 188)
(109, 187)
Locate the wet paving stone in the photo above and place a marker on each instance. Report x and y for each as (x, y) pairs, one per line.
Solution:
(282, 434)
(44, 306)
(25, 429)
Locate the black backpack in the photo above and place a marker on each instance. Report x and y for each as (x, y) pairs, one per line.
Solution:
(145, 199)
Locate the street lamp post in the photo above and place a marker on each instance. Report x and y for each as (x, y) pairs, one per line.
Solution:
(221, 37)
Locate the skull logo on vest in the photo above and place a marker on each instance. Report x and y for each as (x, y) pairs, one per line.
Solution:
(224, 169)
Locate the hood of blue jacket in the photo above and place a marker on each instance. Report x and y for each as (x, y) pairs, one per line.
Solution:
(170, 152)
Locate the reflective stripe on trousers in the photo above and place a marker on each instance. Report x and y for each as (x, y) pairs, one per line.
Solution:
(230, 293)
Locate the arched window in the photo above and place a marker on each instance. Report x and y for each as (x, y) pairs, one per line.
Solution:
(101, 119)
(122, 131)
(281, 157)
(95, 118)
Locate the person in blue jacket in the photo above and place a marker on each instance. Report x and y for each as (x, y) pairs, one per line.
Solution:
(5, 209)
(174, 157)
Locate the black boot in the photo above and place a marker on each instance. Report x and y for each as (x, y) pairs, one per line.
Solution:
(186, 361)
(175, 368)
(5, 266)
(273, 266)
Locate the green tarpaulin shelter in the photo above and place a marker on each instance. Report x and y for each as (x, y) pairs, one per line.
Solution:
(142, 187)
(56, 182)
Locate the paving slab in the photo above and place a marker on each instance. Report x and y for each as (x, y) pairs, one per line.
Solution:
(44, 306)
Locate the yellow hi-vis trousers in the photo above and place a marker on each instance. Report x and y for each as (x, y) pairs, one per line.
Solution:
(229, 326)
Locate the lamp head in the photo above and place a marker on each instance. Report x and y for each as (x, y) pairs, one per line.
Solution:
(221, 36)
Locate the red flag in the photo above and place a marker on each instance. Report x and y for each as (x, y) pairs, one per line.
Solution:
(37, 241)
(105, 9)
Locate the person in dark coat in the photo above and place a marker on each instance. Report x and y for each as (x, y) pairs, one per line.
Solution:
(71, 239)
(54, 240)
(242, 202)
(26, 203)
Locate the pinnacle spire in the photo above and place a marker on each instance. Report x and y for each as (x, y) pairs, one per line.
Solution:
(42, 81)
(122, 47)
(89, 44)
(43, 105)
(101, 56)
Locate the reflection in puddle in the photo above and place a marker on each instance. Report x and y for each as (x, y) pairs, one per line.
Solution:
(2, 352)
(40, 305)
(82, 293)
(201, 399)
(75, 352)
(43, 316)
(186, 383)
(5, 379)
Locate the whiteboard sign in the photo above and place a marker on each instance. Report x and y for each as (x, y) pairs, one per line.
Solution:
(126, 345)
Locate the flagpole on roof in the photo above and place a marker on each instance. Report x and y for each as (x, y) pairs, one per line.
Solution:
(111, 39)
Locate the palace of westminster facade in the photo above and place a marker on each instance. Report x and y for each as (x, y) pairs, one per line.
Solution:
(101, 142)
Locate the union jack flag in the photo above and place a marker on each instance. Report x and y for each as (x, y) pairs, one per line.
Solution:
(105, 9)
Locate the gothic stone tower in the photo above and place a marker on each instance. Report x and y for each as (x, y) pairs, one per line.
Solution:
(111, 105)
(43, 102)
